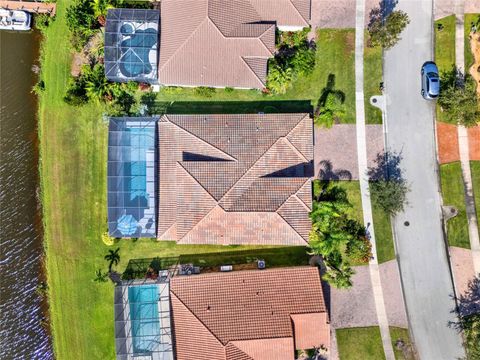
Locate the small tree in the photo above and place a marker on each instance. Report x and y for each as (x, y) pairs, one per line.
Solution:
(388, 188)
(385, 29)
(458, 98)
(113, 258)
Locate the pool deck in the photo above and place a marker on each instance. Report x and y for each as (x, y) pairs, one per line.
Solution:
(30, 6)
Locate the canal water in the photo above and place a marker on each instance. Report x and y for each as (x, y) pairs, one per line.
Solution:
(23, 309)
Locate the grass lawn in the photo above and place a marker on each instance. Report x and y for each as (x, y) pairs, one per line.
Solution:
(475, 169)
(445, 43)
(397, 333)
(383, 235)
(468, 20)
(444, 48)
(453, 194)
(373, 75)
(334, 58)
(360, 343)
(73, 151)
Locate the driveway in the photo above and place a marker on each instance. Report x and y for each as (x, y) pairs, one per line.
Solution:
(424, 268)
(335, 150)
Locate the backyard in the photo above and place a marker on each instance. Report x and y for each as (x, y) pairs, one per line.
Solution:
(453, 195)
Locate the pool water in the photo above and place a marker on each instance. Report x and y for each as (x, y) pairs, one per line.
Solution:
(144, 317)
(136, 49)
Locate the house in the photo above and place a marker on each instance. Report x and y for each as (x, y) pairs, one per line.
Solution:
(223, 43)
(235, 179)
(211, 179)
(214, 43)
(251, 315)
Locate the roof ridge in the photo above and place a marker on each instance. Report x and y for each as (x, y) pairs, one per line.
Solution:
(294, 148)
(299, 13)
(183, 44)
(199, 138)
(291, 226)
(179, 241)
(198, 182)
(196, 317)
(246, 172)
(303, 202)
(250, 68)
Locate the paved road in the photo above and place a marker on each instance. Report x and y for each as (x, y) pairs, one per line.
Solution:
(424, 268)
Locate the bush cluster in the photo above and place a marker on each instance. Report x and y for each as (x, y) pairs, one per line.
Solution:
(295, 57)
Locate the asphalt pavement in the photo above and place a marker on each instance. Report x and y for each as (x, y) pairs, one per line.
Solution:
(421, 250)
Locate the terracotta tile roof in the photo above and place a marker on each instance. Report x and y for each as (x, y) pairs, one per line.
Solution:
(270, 313)
(235, 179)
(310, 330)
(222, 42)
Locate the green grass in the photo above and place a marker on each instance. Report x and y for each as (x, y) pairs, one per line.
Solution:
(475, 169)
(360, 343)
(73, 151)
(454, 195)
(373, 75)
(444, 49)
(397, 333)
(383, 234)
(334, 56)
(468, 20)
(445, 43)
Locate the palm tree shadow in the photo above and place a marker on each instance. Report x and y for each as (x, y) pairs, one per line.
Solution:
(328, 173)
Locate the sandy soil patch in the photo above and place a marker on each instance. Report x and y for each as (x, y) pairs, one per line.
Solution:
(474, 142)
(475, 49)
(462, 267)
(447, 140)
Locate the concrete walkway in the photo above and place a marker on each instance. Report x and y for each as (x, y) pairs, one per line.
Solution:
(463, 143)
(364, 187)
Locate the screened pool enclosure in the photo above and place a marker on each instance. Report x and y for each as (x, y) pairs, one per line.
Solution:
(131, 177)
(142, 321)
(131, 45)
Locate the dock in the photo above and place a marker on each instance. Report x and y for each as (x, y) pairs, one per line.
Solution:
(30, 6)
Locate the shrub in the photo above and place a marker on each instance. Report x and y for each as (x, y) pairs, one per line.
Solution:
(39, 87)
(81, 22)
(204, 91)
(296, 57)
(332, 111)
(76, 94)
(228, 89)
(458, 98)
(42, 21)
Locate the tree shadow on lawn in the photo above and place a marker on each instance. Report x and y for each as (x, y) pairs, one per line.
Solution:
(231, 107)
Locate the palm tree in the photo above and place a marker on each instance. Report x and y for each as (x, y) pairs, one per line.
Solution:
(113, 257)
(96, 84)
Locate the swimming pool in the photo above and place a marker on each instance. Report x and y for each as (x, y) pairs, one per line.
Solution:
(135, 48)
(144, 317)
